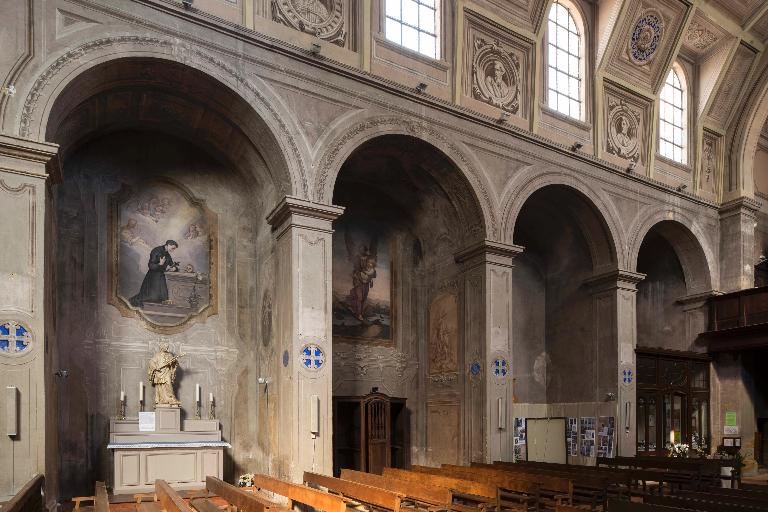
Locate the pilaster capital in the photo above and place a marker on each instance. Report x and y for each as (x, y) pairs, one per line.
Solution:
(488, 252)
(615, 280)
(739, 206)
(29, 158)
(294, 212)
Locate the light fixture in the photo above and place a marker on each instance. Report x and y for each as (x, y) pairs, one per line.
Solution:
(681, 187)
(421, 88)
(631, 166)
(61, 373)
(503, 117)
(577, 146)
(10, 91)
(315, 49)
(187, 3)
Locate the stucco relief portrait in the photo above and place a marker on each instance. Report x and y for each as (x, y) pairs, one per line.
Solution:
(496, 76)
(623, 130)
(321, 18)
(362, 282)
(710, 156)
(443, 334)
(162, 255)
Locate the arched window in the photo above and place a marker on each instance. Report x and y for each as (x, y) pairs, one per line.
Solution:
(565, 91)
(672, 114)
(414, 24)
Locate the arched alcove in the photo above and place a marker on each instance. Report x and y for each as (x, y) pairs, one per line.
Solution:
(153, 151)
(408, 211)
(567, 244)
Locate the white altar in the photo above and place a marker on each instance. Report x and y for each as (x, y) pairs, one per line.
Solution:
(183, 457)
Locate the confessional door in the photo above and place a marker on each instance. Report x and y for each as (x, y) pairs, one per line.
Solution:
(370, 432)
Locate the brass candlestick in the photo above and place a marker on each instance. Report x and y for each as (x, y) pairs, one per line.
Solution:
(211, 410)
(197, 410)
(121, 410)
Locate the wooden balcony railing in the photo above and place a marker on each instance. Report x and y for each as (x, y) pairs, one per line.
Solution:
(739, 309)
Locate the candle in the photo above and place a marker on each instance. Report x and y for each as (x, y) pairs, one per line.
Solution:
(197, 393)
(671, 437)
(141, 391)
(210, 397)
(122, 396)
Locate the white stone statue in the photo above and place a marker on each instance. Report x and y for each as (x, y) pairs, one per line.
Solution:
(161, 373)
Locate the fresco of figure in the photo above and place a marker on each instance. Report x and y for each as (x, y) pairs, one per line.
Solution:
(154, 288)
(362, 281)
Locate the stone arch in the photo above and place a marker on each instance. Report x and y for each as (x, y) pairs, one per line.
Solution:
(606, 253)
(330, 163)
(741, 143)
(688, 241)
(285, 157)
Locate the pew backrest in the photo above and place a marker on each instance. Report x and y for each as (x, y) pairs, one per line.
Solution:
(433, 495)
(376, 496)
(318, 500)
(29, 498)
(244, 501)
(170, 499)
(101, 503)
(456, 485)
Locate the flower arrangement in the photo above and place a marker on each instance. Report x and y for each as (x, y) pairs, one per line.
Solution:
(245, 480)
(679, 450)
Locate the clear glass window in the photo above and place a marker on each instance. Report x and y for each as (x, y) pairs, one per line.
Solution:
(414, 24)
(564, 53)
(672, 125)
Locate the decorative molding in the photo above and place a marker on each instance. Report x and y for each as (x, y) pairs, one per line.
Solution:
(496, 75)
(646, 36)
(699, 36)
(623, 130)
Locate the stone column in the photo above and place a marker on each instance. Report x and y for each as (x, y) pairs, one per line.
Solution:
(615, 307)
(303, 238)
(487, 313)
(27, 397)
(737, 244)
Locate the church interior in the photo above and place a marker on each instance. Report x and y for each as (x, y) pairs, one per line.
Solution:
(436, 255)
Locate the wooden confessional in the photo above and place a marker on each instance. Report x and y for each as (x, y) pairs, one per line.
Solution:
(370, 432)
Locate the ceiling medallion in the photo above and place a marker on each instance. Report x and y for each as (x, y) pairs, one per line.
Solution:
(646, 37)
(321, 18)
(699, 36)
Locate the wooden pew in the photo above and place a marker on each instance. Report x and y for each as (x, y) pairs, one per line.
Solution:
(698, 473)
(357, 493)
(29, 498)
(170, 499)
(431, 496)
(295, 493)
(702, 505)
(244, 501)
(738, 498)
(615, 505)
(760, 495)
(204, 505)
(558, 489)
(100, 499)
(466, 492)
(511, 491)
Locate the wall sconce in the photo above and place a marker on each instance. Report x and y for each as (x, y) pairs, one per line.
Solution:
(187, 3)
(9, 91)
(681, 187)
(421, 88)
(631, 166)
(503, 117)
(61, 373)
(610, 397)
(577, 146)
(315, 49)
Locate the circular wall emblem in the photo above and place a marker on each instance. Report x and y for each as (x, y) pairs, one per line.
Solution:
(623, 130)
(646, 37)
(500, 368)
(321, 18)
(496, 76)
(627, 376)
(312, 357)
(475, 368)
(15, 338)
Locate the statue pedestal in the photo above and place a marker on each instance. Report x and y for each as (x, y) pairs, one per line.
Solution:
(183, 457)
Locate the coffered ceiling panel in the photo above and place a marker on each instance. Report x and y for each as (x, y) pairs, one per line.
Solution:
(702, 36)
(731, 85)
(524, 13)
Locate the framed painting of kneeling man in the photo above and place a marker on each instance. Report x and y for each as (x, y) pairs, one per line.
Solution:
(162, 255)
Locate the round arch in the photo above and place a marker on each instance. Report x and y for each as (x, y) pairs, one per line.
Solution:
(341, 147)
(606, 255)
(687, 240)
(272, 133)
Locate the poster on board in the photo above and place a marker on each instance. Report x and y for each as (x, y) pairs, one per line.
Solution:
(519, 439)
(605, 434)
(572, 436)
(587, 428)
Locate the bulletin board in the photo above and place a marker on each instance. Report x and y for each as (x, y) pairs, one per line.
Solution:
(546, 440)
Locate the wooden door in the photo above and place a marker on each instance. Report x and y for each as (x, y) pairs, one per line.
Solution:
(378, 435)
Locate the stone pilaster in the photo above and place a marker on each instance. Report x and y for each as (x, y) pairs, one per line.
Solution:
(737, 244)
(487, 271)
(27, 352)
(614, 296)
(303, 235)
